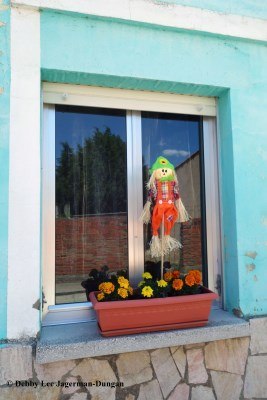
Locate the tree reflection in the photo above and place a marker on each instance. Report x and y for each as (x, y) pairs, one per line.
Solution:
(92, 179)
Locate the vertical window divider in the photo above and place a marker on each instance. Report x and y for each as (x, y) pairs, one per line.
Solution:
(212, 204)
(135, 196)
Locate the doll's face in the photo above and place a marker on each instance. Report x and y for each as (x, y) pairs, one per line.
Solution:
(163, 174)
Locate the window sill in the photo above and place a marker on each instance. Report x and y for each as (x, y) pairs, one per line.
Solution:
(73, 341)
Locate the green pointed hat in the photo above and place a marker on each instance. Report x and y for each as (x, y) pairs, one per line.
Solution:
(161, 162)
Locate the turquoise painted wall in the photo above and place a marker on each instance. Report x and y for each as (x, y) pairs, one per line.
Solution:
(248, 8)
(4, 158)
(94, 51)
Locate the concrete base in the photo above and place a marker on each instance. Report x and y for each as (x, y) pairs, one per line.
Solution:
(73, 341)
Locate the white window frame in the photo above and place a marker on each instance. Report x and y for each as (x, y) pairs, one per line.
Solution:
(136, 101)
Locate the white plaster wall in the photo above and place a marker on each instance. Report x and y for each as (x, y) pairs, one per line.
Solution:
(160, 13)
(24, 181)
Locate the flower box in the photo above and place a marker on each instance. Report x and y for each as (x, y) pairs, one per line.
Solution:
(125, 317)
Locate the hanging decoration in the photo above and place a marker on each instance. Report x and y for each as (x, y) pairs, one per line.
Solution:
(166, 206)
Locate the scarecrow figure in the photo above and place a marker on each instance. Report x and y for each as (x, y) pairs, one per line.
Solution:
(163, 194)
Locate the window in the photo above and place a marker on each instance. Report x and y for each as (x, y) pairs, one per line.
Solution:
(91, 220)
(98, 145)
(179, 138)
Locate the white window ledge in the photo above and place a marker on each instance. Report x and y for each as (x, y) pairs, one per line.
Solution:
(74, 341)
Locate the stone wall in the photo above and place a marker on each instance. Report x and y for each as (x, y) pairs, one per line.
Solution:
(229, 369)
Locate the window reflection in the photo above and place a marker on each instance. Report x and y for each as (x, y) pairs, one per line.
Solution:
(177, 138)
(91, 198)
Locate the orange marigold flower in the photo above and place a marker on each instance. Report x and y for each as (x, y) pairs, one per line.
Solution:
(123, 293)
(130, 290)
(190, 280)
(106, 287)
(197, 275)
(177, 284)
(176, 274)
(100, 296)
(168, 276)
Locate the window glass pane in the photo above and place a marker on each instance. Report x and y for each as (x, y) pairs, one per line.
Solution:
(91, 197)
(177, 138)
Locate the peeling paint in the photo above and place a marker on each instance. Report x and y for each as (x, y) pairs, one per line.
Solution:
(254, 8)
(251, 254)
(1, 90)
(255, 278)
(264, 221)
(250, 267)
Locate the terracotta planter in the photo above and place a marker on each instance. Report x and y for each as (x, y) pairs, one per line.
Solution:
(148, 315)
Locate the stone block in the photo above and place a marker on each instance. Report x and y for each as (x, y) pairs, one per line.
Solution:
(258, 329)
(196, 369)
(52, 372)
(30, 393)
(179, 357)
(130, 397)
(256, 378)
(166, 371)
(226, 386)
(181, 392)
(227, 355)
(202, 393)
(15, 363)
(79, 396)
(149, 391)
(134, 368)
(72, 388)
(92, 370)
